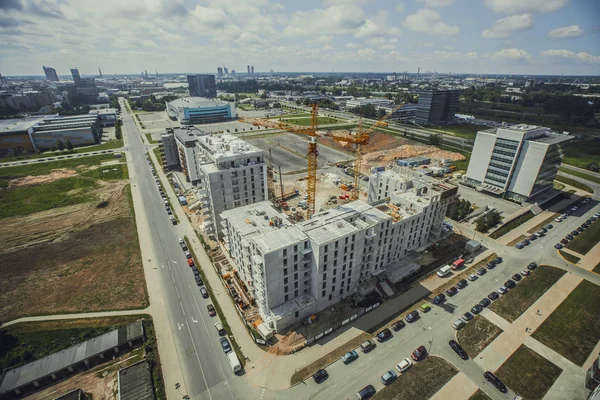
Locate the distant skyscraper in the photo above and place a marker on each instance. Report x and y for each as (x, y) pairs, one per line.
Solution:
(226, 70)
(252, 69)
(202, 85)
(248, 69)
(75, 74)
(50, 74)
(219, 72)
(436, 107)
(233, 72)
(100, 72)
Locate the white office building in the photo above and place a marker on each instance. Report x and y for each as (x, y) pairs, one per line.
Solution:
(185, 139)
(231, 173)
(517, 162)
(296, 270)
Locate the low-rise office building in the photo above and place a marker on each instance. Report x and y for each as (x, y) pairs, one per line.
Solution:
(296, 270)
(518, 162)
(106, 116)
(200, 110)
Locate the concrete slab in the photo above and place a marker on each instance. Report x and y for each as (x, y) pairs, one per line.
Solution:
(496, 319)
(460, 387)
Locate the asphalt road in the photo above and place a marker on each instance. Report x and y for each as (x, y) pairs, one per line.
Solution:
(204, 365)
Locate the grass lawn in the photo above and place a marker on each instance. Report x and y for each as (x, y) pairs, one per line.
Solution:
(529, 374)
(569, 257)
(423, 380)
(581, 153)
(587, 239)
(479, 395)
(46, 167)
(477, 335)
(30, 199)
(306, 121)
(573, 329)
(467, 131)
(149, 138)
(111, 144)
(528, 291)
(512, 224)
(574, 183)
(583, 175)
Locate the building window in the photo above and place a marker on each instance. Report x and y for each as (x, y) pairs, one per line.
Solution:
(323, 294)
(285, 271)
(324, 285)
(334, 271)
(330, 297)
(333, 281)
(333, 288)
(297, 314)
(341, 291)
(285, 252)
(285, 289)
(295, 293)
(285, 281)
(286, 297)
(295, 285)
(296, 276)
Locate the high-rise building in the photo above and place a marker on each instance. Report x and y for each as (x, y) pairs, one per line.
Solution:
(202, 85)
(436, 107)
(233, 72)
(226, 70)
(75, 74)
(517, 162)
(296, 270)
(51, 74)
(219, 72)
(252, 69)
(248, 69)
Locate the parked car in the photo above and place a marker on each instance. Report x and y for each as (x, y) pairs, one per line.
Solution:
(481, 271)
(473, 277)
(509, 284)
(494, 380)
(532, 266)
(532, 237)
(396, 326)
(493, 296)
(367, 346)
(388, 377)
(499, 260)
(188, 254)
(490, 265)
(458, 349)
(476, 309)
(320, 376)
(349, 357)
(569, 237)
(526, 242)
(199, 282)
(440, 298)
(425, 307)
(366, 393)
(525, 272)
(451, 291)
(220, 329)
(558, 246)
(484, 302)
(225, 345)
(204, 292)
(575, 233)
(467, 316)
(502, 290)
(419, 354)
(517, 277)
(462, 284)
(549, 226)
(404, 365)
(412, 316)
(564, 241)
(211, 310)
(384, 335)
(519, 246)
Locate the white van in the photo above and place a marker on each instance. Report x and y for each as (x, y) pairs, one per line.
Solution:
(444, 271)
(234, 362)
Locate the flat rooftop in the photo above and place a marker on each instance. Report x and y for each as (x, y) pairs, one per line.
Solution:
(536, 133)
(188, 134)
(197, 102)
(262, 223)
(225, 145)
(9, 126)
(135, 382)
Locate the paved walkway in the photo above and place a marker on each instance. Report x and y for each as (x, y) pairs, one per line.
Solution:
(56, 317)
(460, 387)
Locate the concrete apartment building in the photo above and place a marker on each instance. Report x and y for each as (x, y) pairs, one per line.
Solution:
(296, 270)
(185, 140)
(436, 107)
(51, 74)
(168, 149)
(518, 162)
(231, 172)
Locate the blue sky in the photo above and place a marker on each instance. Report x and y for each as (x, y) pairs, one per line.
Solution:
(470, 36)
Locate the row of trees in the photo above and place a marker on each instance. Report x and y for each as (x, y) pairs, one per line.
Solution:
(487, 221)
(152, 103)
(368, 111)
(61, 146)
(323, 103)
(118, 130)
(460, 210)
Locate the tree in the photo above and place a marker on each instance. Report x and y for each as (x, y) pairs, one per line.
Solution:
(69, 145)
(60, 145)
(435, 139)
(236, 130)
(118, 131)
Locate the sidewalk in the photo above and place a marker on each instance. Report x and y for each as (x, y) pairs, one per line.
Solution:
(55, 317)
(460, 387)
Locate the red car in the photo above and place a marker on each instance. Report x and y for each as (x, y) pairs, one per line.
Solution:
(419, 354)
(190, 262)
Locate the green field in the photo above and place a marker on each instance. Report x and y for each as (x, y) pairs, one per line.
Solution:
(528, 373)
(573, 329)
(306, 121)
(111, 144)
(581, 153)
(466, 131)
(528, 291)
(574, 183)
(479, 395)
(580, 174)
(587, 239)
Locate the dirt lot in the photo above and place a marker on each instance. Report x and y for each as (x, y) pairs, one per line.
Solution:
(477, 335)
(79, 258)
(56, 174)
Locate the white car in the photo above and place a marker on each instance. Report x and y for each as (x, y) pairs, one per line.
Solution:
(473, 277)
(404, 365)
(181, 241)
(502, 290)
(559, 219)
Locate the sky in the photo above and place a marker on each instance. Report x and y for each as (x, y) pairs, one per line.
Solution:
(545, 37)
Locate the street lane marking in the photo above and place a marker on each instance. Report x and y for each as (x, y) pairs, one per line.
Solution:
(199, 363)
(179, 326)
(182, 310)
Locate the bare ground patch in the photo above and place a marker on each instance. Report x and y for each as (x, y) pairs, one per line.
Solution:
(56, 174)
(477, 335)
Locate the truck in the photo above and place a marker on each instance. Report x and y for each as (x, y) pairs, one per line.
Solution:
(234, 362)
(458, 264)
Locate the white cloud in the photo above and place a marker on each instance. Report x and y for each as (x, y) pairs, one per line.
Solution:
(377, 26)
(520, 6)
(399, 7)
(570, 31)
(504, 27)
(435, 3)
(582, 57)
(429, 21)
(512, 54)
(382, 42)
(337, 19)
(455, 56)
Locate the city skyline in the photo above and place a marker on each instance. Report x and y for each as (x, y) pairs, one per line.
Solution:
(489, 37)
